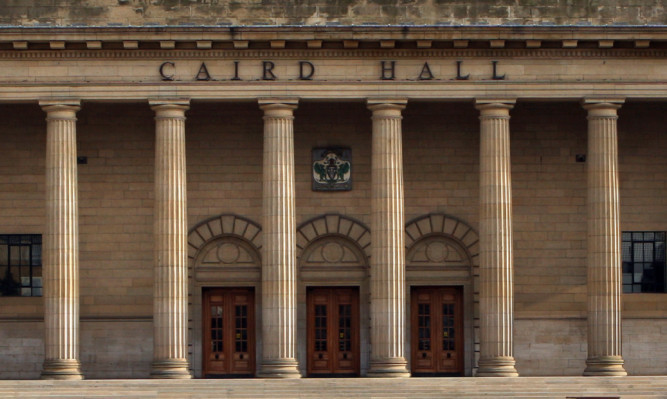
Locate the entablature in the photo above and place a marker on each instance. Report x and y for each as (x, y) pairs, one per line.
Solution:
(333, 37)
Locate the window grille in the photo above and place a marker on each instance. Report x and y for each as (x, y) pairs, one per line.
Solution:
(643, 261)
(20, 265)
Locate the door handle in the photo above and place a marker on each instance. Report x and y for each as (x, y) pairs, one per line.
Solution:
(423, 355)
(217, 357)
(319, 356)
(241, 356)
(449, 355)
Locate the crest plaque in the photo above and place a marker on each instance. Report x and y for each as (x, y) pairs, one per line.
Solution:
(332, 169)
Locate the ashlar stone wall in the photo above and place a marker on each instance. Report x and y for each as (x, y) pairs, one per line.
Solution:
(319, 12)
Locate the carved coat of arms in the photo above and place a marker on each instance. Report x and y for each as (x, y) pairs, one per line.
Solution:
(332, 169)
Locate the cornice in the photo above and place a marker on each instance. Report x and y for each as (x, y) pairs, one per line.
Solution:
(402, 31)
(385, 37)
(334, 53)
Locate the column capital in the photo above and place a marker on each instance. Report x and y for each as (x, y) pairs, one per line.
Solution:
(386, 107)
(65, 109)
(495, 107)
(602, 107)
(278, 106)
(170, 108)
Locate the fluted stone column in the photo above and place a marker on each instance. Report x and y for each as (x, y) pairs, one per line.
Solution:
(279, 235)
(170, 294)
(495, 238)
(604, 242)
(61, 244)
(387, 280)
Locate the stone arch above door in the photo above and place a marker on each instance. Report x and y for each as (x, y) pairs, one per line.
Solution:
(333, 225)
(223, 225)
(224, 248)
(438, 224)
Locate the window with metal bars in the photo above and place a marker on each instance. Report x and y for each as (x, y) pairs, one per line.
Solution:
(644, 261)
(20, 265)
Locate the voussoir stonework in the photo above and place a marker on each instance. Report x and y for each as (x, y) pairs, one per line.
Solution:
(225, 225)
(333, 225)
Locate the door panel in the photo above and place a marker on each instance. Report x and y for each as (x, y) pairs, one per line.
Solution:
(333, 331)
(229, 341)
(437, 330)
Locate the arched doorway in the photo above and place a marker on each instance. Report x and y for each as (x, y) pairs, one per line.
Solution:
(442, 270)
(225, 298)
(333, 296)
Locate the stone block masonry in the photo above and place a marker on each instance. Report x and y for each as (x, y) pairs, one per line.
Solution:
(320, 12)
(224, 173)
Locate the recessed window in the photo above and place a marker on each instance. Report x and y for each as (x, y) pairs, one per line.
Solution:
(20, 265)
(644, 261)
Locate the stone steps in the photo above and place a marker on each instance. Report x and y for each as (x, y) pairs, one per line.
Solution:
(413, 388)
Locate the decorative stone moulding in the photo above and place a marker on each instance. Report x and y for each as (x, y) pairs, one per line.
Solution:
(224, 247)
(441, 224)
(333, 225)
(223, 225)
(342, 37)
(63, 45)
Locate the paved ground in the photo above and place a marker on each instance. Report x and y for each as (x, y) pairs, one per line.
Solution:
(413, 388)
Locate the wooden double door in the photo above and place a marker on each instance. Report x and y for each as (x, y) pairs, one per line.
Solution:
(437, 331)
(229, 332)
(333, 331)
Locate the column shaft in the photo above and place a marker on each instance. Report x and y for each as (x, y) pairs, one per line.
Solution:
(604, 243)
(495, 237)
(388, 250)
(61, 245)
(170, 303)
(279, 250)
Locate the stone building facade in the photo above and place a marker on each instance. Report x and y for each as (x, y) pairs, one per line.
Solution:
(354, 188)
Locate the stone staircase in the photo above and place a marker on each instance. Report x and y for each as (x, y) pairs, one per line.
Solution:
(412, 388)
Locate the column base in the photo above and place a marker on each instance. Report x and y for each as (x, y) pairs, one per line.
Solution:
(62, 369)
(497, 367)
(396, 367)
(605, 366)
(170, 369)
(284, 368)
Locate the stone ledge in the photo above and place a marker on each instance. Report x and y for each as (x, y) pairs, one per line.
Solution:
(362, 37)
